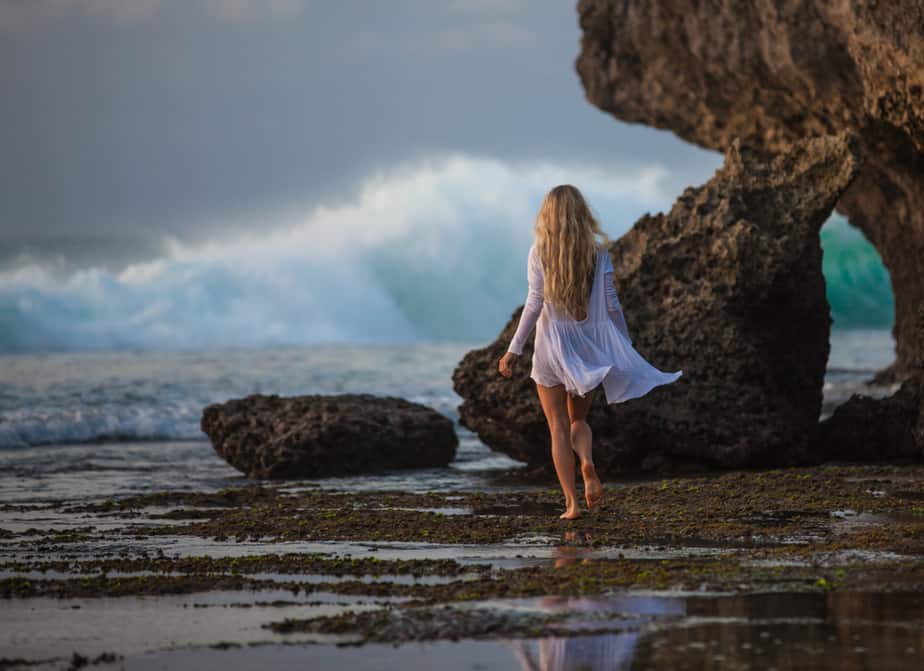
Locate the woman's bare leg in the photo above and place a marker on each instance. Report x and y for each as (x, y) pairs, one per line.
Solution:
(555, 408)
(582, 443)
(581, 436)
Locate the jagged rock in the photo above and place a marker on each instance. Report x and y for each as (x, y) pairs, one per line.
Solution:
(273, 437)
(869, 429)
(727, 287)
(772, 72)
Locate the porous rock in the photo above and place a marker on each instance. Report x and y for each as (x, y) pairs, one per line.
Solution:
(771, 72)
(728, 288)
(275, 437)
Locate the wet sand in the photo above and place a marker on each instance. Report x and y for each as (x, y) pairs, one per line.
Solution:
(818, 567)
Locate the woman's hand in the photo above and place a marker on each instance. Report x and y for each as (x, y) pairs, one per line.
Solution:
(505, 365)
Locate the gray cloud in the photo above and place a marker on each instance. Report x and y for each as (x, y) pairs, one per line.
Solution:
(143, 118)
(238, 10)
(24, 14)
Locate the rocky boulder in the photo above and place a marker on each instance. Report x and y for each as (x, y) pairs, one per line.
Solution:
(870, 429)
(771, 73)
(274, 437)
(727, 287)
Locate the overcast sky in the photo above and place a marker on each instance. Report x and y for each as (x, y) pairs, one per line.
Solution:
(145, 117)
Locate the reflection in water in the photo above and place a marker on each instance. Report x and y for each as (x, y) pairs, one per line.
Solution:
(578, 549)
(607, 652)
(846, 631)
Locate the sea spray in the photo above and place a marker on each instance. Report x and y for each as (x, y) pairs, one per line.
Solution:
(435, 252)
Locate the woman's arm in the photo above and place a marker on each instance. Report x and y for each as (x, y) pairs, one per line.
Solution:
(613, 306)
(532, 307)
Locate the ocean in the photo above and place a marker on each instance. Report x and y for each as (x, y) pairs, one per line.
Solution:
(85, 425)
(104, 373)
(103, 378)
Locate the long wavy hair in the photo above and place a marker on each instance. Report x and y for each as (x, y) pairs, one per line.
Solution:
(565, 241)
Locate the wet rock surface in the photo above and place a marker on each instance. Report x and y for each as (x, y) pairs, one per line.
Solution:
(274, 437)
(728, 287)
(781, 513)
(426, 624)
(829, 545)
(773, 73)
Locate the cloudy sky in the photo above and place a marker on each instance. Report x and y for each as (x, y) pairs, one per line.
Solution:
(142, 116)
(152, 151)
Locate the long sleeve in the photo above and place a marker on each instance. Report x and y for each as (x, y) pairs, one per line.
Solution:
(612, 301)
(532, 307)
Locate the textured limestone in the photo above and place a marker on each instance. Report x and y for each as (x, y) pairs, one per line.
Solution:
(273, 437)
(774, 71)
(727, 287)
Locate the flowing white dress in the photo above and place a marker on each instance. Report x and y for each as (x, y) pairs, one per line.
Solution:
(583, 354)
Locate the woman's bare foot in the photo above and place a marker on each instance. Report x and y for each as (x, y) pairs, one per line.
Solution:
(593, 488)
(572, 511)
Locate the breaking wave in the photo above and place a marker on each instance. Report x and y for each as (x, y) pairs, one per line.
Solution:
(859, 289)
(433, 252)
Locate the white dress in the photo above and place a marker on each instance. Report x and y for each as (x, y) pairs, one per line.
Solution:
(582, 354)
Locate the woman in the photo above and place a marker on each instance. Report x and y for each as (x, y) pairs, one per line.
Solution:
(581, 336)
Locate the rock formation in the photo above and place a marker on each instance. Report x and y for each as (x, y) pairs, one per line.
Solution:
(727, 287)
(770, 72)
(272, 437)
(868, 429)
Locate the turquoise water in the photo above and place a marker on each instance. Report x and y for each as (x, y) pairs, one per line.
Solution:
(121, 420)
(398, 291)
(858, 287)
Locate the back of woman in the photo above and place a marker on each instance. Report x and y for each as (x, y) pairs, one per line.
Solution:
(568, 243)
(582, 339)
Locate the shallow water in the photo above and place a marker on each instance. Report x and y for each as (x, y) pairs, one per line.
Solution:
(841, 630)
(153, 402)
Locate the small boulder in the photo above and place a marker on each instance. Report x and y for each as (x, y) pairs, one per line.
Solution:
(273, 437)
(875, 430)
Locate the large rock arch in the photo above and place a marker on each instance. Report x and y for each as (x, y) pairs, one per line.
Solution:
(770, 72)
(817, 104)
(726, 286)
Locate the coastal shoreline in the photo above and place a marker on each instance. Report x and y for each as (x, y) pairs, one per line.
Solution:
(246, 571)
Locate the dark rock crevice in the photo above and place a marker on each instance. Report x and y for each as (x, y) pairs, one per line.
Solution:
(886, 203)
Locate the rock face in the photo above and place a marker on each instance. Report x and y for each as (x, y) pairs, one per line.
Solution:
(867, 429)
(272, 437)
(727, 287)
(771, 72)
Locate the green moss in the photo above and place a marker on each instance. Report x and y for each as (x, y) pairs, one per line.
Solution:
(755, 516)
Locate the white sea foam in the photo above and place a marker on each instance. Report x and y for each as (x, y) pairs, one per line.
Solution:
(81, 397)
(430, 251)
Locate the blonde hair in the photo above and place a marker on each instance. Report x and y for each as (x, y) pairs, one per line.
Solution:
(565, 229)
